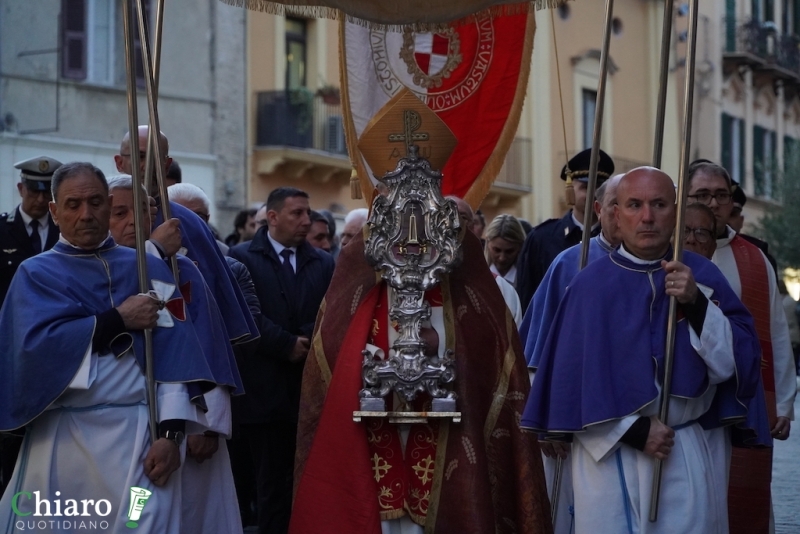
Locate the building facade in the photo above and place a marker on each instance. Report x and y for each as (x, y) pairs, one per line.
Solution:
(63, 94)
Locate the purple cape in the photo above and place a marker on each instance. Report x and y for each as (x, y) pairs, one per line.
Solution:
(606, 349)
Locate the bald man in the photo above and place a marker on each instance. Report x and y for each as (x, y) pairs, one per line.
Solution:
(601, 372)
(197, 242)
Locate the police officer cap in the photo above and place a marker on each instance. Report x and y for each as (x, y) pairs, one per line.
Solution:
(738, 196)
(38, 172)
(579, 167)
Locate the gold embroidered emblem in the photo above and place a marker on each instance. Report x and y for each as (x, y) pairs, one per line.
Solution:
(419, 501)
(424, 469)
(380, 467)
(385, 495)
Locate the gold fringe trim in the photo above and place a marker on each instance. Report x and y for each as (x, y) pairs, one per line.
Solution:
(438, 476)
(483, 183)
(364, 13)
(388, 515)
(319, 351)
(569, 192)
(502, 385)
(355, 186)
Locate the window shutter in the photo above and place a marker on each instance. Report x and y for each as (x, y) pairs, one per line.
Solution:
(73, 45)
(742, 174)
(796, 17)
(727, 141)
(758, 159)
(730, 25)
(137, 43)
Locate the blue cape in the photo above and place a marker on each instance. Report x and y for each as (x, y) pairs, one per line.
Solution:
(47, 322)
(202, 248)
(606, 348)
(209, 326)
(539, 316)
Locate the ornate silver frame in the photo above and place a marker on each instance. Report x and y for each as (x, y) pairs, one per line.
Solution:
(413, 241)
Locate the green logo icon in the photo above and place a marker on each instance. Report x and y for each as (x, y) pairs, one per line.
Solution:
(139, 498)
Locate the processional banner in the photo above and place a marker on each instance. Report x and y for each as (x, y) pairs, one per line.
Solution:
(472, 73)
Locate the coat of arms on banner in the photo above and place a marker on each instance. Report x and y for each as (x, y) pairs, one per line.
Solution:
(472, 74)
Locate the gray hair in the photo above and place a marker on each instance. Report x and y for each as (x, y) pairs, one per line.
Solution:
(68, 170)
(188, 192)
(358, 213)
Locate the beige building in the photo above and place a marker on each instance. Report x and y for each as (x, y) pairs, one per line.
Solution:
(748, 105)
(294, 61)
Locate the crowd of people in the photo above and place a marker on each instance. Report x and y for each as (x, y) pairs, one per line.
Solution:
(257, 343)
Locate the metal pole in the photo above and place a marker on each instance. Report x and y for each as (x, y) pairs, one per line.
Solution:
(159, 23)
(661, 107)
(154, 126)
(598, 129)
(141, 258)
(591, 187)
(669, 351)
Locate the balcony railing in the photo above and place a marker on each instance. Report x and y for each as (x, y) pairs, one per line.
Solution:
(299, 118)
(762, 43)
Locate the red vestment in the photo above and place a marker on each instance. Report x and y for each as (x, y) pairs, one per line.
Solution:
(487, 473)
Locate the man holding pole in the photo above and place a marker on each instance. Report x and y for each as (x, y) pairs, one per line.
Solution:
(750, 275)
(72, 359)
(609, 409)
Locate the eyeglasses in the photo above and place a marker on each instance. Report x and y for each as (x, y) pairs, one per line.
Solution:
(705, 198)
(701, 235)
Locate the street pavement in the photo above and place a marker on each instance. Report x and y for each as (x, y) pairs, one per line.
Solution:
(786, 480)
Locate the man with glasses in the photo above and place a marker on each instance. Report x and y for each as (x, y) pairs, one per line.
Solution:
(700, 230)
(25, 232)
(754, 281)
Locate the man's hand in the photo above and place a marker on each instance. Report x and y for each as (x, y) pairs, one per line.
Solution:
(782, 428)
(153, 208)
(300, 350)
(201, 447)
(139, 312)
(680, 282)
(660, 440)
(553, 449)
(168, 235)
(162, 460)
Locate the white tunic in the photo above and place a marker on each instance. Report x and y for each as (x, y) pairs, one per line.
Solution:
(209, 496)
(612, 482)
(782, 356)
(91, 444)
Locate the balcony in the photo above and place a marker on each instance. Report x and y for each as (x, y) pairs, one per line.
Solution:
(760, 46)
(300, 135)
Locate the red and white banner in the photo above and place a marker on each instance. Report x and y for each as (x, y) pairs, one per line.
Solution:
(473, 75)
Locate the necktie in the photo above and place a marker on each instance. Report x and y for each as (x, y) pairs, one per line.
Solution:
(36, 239)
(287, 265)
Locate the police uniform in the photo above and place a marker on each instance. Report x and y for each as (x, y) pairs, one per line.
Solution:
(550, 238)
(16, 245)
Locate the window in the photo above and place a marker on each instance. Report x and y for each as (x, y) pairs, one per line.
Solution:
(791, 17)
(137, 43)
(73, 50)
(764, 10)
(764, 143)
(589, 108)
(733, 147)
(295, 53)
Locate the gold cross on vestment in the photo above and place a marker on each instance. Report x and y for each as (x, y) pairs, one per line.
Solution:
(412, 121)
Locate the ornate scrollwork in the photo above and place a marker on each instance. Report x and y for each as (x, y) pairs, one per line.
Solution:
(413, 241)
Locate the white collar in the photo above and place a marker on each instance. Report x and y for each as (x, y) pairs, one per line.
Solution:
(579, 224)
(62, 239)
(278, 247)
(730, 233)
(604, 241)
(43, 221)
(639, 261)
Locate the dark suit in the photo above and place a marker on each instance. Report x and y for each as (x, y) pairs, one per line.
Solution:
(268, 411)
(15, 247)
(543, 244)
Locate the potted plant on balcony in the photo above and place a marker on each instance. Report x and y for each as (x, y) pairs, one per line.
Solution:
(330, 95)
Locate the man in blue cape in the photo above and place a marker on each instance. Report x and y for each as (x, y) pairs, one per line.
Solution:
(72, 371)
(539, 317)
(601, 369)
(208, 494)
(199, 244)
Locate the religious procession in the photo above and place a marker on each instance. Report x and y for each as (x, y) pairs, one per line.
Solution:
(353, 267)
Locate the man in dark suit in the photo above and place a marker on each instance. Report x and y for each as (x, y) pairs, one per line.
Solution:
(291, 278)
(24, 232)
